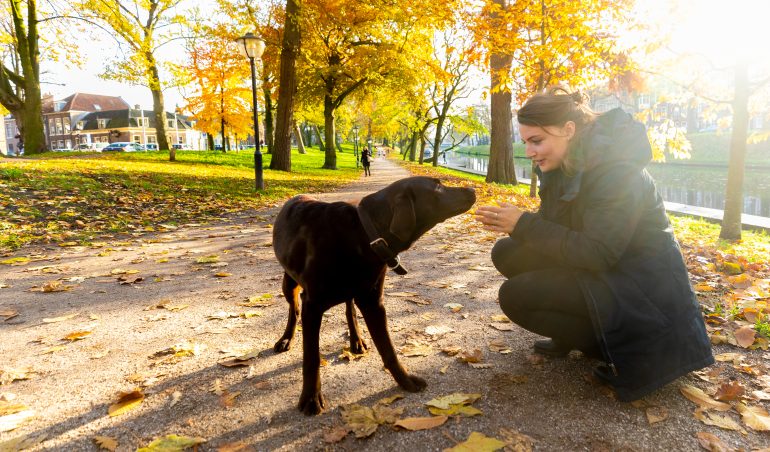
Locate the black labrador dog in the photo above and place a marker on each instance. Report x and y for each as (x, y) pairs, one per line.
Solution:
(339, 253)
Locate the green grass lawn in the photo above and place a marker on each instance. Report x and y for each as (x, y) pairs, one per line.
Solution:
(76, 197)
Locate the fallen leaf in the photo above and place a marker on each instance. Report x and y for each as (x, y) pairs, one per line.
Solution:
(350, 356)
(454, 404)
(222, 274)
(12, 421)
(517, 442)
(54, 349)
(10, 375)
(61, 319)
(238, 446)
(454, 307)
(76, 336)
(501, 318)
(258, 301)
(755, 417)
(421, 423)
(500, 346)
(712, 443)
(336, 434)
(217, 387)
(478, 442)
(213, 259)
(106, 443)
(55, 286)
(502, 326)
(176, 396)
(8, 314)
(227, 399)
(7, 408)
(656, 414)
(22, 442)
(171, 443)
(745, 336)
(402, 294)
(15, 261)
(360, 420)
(126, 402)
(716, 420)
(172, 307)
(439, 330)
(729, 391)
(729, 357)
(416, 349)
(389, 400)
(480, 268)
(701, 399)
(471, 357)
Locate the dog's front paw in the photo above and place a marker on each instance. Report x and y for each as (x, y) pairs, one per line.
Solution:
(312, 404)
(358, 347)
(283, 345)
(413, 384)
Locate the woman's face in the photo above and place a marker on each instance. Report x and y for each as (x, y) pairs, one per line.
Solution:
(547, 146)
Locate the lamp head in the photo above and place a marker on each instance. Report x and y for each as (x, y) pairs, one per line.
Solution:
(251, 46)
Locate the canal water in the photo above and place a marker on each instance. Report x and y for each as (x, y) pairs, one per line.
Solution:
(702, 186)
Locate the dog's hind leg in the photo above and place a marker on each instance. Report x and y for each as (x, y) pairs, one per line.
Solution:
(291, 292)
(374, 315)
(311, 401)
(357, 345)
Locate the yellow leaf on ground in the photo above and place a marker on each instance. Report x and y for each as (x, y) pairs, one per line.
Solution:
(478, 442)
(55, 286)
(745, 336)
(213, 259)
(15, 261)
(729, 391)
(106, 443)
(10, 375)
(453, 399)
(171, 443)
(501, 318)
(716, 420)
(222, 274)
(126, 401)
(402, 294)
(360, 419)
(656, 414)
(60, 319)
(416, 349)
(389, 400)
(336, 434)
(421, 423)
(238, 446)
(712, 443)
(8, 313)
(516, 442)
(11, 421)
(22, 442)
(701, 399)
(7, 408)
(77, 335)
(227, 399)
(755, 417)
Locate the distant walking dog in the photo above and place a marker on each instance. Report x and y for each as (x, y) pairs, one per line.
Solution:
(339, 253)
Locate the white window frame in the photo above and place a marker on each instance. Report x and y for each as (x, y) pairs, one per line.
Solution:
(101, 123)
(67, 125)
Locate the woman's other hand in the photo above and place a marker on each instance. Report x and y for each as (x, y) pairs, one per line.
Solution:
(502, 218)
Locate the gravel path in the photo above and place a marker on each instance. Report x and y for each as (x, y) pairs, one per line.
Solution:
(200, 274)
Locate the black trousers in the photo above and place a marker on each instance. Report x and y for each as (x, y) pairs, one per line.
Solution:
(542, 297)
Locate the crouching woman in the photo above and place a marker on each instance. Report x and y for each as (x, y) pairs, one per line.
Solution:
(597, 268)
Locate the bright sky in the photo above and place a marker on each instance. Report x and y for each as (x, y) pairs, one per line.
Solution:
(717, 29)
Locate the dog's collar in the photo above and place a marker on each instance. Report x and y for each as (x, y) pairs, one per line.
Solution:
(379, 245)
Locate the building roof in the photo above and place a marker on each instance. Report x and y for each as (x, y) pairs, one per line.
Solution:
(86, 102)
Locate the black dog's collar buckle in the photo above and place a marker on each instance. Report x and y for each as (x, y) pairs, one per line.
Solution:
(380, 247)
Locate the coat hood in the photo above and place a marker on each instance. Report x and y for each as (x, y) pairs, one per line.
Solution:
(615, 137)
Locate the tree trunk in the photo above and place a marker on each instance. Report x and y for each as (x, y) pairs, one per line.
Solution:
(330, 160)
(298, 137)
(423, 142)
(318, 136)
(210, 141)
(158, 109)
(307, 134)
(501, 168)
(269, 130)
(287, 88)
(731, 222)
(413, 146)
(20, 93)
(437, 139)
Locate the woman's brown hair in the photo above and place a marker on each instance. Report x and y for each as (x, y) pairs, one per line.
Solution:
(555, 107)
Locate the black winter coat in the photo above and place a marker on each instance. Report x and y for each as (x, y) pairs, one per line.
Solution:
(608, 223)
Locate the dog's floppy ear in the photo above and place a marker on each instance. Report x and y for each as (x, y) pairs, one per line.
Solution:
(404, 221)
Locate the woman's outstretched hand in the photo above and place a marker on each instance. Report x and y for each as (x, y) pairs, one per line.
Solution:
(502, 218)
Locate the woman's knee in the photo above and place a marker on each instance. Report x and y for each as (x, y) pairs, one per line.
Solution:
(503, 253)
(513, 299)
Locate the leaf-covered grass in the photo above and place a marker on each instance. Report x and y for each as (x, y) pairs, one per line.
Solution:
(75, 197)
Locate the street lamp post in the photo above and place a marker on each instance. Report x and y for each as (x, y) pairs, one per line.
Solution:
(252, 47)
(355, 143)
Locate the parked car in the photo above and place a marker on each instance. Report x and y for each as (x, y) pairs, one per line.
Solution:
(151, 147)
(179, 146)
(123, 146)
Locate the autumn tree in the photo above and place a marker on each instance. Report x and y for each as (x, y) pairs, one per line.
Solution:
(20, 81)
(144, 26)
(220, 101)
(349, 44)
(453, 55)
(290, 46)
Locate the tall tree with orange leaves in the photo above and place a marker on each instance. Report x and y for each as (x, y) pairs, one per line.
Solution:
(220, 101)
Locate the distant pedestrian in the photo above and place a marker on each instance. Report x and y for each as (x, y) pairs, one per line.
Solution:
(366, 160)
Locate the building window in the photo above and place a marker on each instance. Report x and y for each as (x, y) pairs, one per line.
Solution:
(101, 123)
(51, 127)
(58, 126)
(143, 122)
(61, 144)
(151, 138)
(137, 139)
(81, 125)
(66, 123)
(68, 144)
(170, 123)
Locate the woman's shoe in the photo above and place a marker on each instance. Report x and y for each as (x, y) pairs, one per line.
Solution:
(549, 347)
